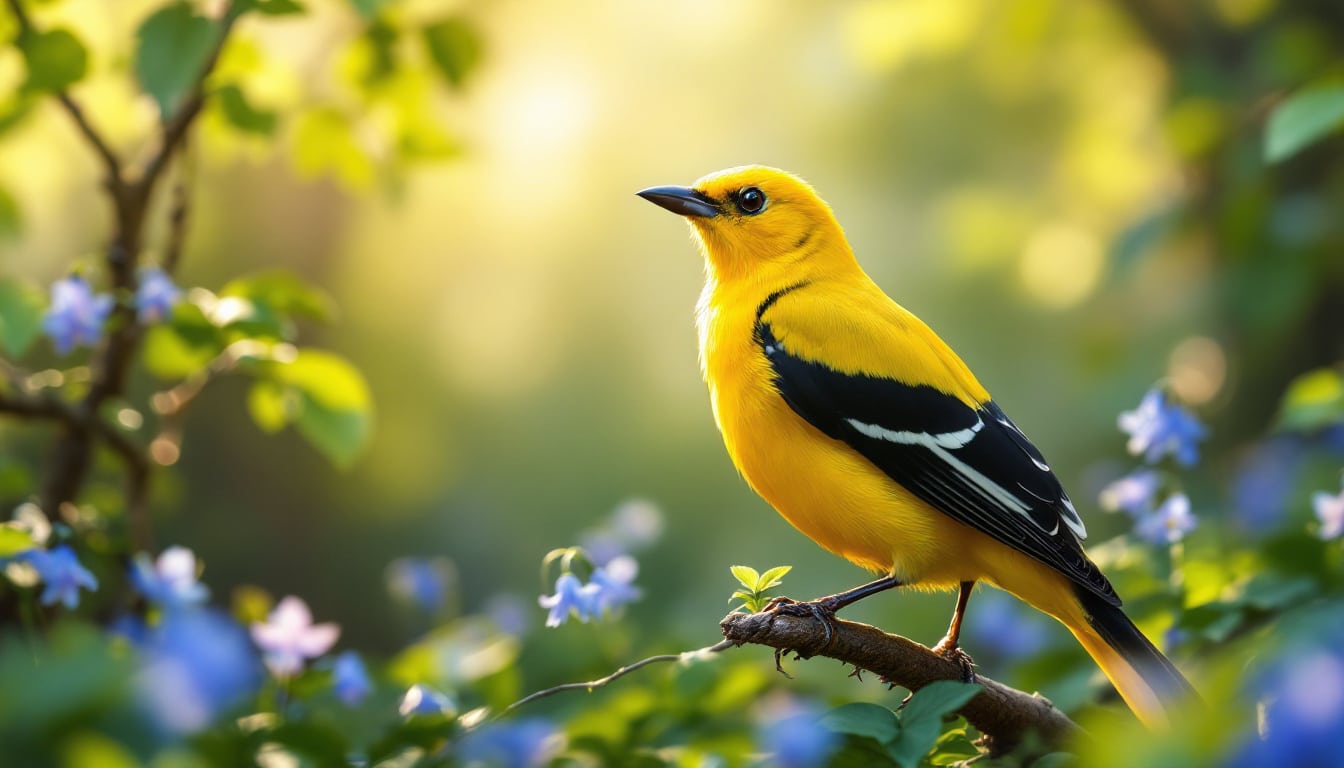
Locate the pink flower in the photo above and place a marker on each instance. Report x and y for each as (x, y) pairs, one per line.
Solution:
(289, 636)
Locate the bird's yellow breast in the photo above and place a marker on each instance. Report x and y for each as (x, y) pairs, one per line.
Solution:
(820, 485)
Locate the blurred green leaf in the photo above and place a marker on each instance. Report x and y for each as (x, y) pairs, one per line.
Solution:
(269, 406)
(185, 346)
(284, 292)
(241, 114)
(1303, 119)
(56, 59)
(324, 142)
(922, 718)
(863, 719)
(367, 8)
(11, 219)
(21, 308)
(1313, 400)
(13, 541)
(172, 46)
(455, 47)
(271, 7)
(320, 743)
(336, 409)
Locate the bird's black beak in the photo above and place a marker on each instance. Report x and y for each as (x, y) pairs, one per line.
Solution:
(682, 200)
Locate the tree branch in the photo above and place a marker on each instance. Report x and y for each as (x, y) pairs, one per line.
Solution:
(1006, 716)
(111, 165)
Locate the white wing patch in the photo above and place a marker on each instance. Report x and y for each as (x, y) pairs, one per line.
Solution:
(942, 444)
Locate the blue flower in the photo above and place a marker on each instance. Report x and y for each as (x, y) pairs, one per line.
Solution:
(350, 678)
(521, 744)
(62, 574)
(1168, 523)
(76, 316)
(797, 738)
(1158, 428)
(156, 296)
(422, 582)
(195, 665)
(423, 700)
(1132, 493)
(1265, 481)
(634, 525)
(1304, 718)
(170, 581)
(571, 596)
(615, 583)
(1000, 624)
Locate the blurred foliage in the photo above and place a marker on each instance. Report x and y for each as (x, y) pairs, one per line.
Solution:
(1082, 197)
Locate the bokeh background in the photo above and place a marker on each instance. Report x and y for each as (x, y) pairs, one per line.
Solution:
(1074, 194)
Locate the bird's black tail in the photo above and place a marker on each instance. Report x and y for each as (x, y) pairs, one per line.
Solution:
(1148, 682)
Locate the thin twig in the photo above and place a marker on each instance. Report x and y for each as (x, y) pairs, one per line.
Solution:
(177, 217)
(623, 671)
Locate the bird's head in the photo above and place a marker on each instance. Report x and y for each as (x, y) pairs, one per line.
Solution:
(755, 218)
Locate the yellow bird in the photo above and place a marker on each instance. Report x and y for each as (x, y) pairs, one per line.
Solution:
(865, 430)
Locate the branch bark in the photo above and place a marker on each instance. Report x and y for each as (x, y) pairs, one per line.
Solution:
(1006, 716)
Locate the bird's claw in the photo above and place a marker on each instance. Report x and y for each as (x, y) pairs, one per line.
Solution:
(817, 609)
(953, 652)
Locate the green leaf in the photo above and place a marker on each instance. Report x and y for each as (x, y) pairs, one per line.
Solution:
(21, 309)
(284, 293)
(56, 60)
(13, 541)
(184, 347)
(270, 406)
(862, 719)
(745, 575)
(11, 219)
(1303, 119)
(172, 47)
(1313, 400)
(241, 114)
(271, 7)
(771, 578)
(367, 8)
(922, 718)
(336, 413)
(455, 47)
(324, 142)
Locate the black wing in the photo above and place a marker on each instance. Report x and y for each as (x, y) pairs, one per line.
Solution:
(972, 464)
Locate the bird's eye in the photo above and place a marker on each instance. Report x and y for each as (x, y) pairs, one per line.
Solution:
(751, 201)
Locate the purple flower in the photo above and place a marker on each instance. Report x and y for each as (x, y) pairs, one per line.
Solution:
(195, 664)
(634, 525)
(796, 737)
(350, 678)
(1304, 718)
(1330, 512)
(423, 582)
(1168, 523)
(1157, 428)
(76, 316)
(615, 583)
(62, 574)
(521, 744)
(1132, 493)
(156, 296)
(1265, 480)
(571, 596)
(170, 581)
(423, 700)
(289, 636)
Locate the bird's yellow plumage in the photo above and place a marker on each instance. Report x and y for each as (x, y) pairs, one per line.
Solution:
(866, 431)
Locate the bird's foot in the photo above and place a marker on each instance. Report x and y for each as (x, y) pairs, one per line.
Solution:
(948, 649)
(822, 610)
